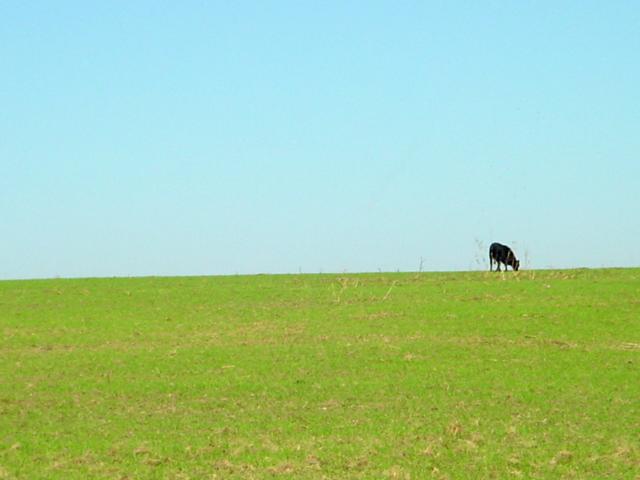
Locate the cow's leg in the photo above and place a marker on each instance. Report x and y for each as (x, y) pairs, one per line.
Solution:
(490, 263)
(498, 263)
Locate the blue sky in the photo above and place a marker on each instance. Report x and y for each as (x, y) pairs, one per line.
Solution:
(178, 138)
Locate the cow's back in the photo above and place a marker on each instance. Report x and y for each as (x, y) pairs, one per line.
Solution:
(499, 251)
(496, 248)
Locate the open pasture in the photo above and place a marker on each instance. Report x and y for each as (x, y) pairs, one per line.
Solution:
(534, 374)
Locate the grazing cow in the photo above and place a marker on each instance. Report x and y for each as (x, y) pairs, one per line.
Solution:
(502, 254)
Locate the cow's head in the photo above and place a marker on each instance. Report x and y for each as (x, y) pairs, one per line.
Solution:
(516, 265)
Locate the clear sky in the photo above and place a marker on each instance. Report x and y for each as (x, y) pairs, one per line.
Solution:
(196, 137)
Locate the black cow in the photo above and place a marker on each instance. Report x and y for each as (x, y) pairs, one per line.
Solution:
(502, 254)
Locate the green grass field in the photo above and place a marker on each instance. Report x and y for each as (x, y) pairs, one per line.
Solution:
(534, 374)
